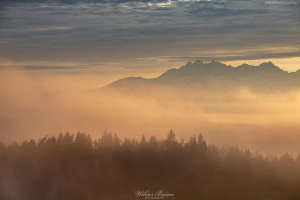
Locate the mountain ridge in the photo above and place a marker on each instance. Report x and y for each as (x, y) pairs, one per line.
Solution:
(215, 75)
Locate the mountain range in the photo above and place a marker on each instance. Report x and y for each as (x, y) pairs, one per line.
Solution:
(199, 76)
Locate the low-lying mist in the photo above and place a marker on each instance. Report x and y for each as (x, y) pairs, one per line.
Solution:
(33, 105)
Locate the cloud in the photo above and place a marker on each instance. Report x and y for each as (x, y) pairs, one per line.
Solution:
(209, 12)
(118, 31)
(72, 2)
(241, 57)
(32, 107)
(38, 68)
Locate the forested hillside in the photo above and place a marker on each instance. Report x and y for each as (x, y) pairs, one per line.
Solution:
(72, 167)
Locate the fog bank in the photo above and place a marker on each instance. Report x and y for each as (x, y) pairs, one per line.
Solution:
(32, 106)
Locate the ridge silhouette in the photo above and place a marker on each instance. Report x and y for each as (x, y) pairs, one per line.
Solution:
(215, 75)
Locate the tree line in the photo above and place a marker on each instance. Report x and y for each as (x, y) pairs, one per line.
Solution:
(71, 167)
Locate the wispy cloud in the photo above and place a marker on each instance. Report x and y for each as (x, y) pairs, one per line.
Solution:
(38, 68)
(122, 30)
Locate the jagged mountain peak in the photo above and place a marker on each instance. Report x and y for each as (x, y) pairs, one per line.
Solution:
(216, 68)
(189, 63)
(198, 62)
(268, 65)
(212, 75)
(245, 65)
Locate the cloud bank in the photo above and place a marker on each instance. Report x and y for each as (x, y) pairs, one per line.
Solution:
(121, 31)
(34, 106)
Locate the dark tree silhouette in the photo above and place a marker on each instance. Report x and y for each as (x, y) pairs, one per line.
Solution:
(74, 167)
(143, 141)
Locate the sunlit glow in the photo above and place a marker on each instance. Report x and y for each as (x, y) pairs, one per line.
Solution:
(35, 103)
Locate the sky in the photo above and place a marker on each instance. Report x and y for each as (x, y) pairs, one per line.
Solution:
(119, 38)
(55, 55)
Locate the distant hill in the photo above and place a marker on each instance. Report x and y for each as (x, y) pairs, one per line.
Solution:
(214, 76)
